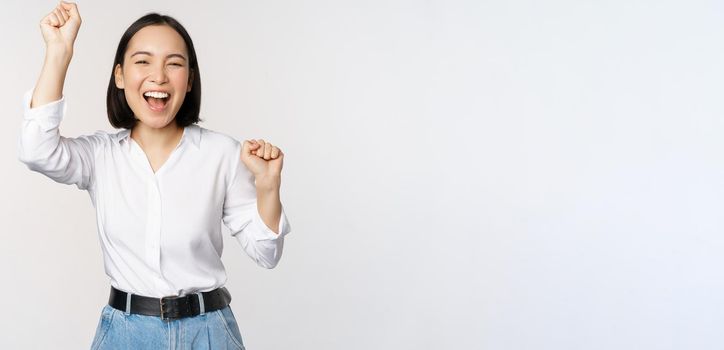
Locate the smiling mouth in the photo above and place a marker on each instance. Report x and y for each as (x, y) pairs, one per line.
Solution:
(157, 104)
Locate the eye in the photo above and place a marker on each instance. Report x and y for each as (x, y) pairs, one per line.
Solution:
(177, 64)
(141, 62)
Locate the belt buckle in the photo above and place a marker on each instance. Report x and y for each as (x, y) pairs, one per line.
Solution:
(162, 304)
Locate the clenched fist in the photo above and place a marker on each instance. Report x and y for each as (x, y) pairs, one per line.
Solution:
(60, 27)
(264, 160)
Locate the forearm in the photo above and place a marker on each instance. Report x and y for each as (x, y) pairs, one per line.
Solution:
(269, 203)
(49, 87)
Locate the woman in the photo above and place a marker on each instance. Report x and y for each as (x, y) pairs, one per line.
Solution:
(161, 186)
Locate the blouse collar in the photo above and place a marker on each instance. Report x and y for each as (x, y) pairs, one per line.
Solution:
(191, 133)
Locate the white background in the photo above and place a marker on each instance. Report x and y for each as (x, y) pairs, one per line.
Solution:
(458, 174)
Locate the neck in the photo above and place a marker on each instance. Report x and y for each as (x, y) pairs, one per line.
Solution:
(157, 138)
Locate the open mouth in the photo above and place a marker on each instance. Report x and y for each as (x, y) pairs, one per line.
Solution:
(156, 100)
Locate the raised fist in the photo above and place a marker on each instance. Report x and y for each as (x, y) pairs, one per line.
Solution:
(60, 26)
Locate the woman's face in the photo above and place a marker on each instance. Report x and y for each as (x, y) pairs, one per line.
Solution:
(155, 75)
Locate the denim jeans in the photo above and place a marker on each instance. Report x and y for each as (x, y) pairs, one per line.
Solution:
(212, 330)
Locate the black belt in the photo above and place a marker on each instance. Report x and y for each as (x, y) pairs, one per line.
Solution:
(170, 308)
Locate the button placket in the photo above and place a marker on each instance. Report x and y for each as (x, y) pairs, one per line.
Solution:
(154, 210)
(153, 226)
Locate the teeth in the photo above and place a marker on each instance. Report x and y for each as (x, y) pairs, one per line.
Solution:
(156, 94)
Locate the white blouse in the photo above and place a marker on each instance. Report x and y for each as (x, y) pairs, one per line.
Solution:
(160, 232)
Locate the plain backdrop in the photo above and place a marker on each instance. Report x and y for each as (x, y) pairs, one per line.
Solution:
(458, 174)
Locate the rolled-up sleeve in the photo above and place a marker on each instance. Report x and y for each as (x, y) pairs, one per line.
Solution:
(241, 216)
(44, 150)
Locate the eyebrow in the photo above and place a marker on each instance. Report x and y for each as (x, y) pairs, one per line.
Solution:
(167, 56)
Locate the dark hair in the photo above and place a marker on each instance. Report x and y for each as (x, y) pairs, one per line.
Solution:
(119, 113)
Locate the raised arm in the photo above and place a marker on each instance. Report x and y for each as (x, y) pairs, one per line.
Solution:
(59, 28)
(252, 209)
(40, 146)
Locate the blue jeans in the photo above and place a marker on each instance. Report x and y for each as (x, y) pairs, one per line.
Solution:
(212, 330)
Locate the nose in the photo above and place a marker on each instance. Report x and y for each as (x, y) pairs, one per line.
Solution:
(158, 75)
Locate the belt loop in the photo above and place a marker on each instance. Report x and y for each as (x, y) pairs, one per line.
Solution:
(128, 304)
(202, 307)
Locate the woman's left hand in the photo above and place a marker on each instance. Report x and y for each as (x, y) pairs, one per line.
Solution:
(264, 160)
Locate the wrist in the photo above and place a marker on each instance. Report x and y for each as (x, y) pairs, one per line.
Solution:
(58, 54)
(268, 183)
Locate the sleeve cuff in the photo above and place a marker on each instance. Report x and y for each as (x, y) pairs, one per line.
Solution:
(48, 115)
(266, 233)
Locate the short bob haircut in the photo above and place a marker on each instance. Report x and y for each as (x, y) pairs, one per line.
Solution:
(119, 113)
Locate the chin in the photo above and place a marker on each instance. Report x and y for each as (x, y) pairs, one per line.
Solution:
(156, 123)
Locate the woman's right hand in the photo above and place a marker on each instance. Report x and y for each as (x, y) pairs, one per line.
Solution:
(60, 27)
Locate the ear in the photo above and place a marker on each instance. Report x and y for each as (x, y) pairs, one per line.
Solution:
(191, 80)
(118, 73)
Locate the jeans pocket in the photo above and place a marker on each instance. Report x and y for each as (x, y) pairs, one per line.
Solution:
(226, 316)
(103, 325)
